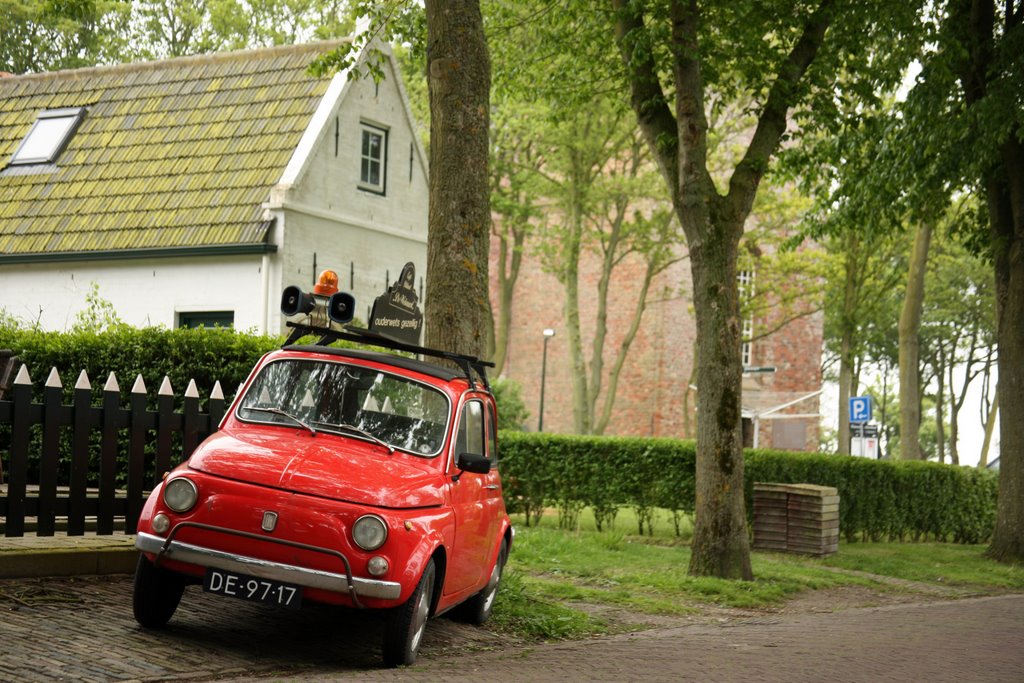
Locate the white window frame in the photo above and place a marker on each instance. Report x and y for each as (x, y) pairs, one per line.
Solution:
(27, 153)
(367, 159)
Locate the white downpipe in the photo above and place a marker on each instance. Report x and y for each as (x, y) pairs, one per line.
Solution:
(265, 293)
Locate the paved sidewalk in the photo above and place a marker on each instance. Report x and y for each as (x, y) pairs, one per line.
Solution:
(975, 639)
(63, 555)
(81, 629)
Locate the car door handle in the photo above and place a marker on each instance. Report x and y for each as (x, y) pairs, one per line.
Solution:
(491, 487)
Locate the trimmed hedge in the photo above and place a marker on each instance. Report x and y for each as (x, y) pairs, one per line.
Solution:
(879, 500)
(205, 355)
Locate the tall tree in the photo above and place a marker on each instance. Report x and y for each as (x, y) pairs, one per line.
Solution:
(958, 324)
(989, 65)
(459, 81)
(967, 109)
(605, 212)
(910, 327)
(517, 157)
(866, 273)
(768, 50)
(44, 35)
(458, 69)
(175, 28)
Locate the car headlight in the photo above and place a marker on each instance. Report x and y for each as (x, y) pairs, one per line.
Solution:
(369, 532)
(180, 494)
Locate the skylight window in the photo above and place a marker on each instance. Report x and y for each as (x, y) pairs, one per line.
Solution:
(48, 136)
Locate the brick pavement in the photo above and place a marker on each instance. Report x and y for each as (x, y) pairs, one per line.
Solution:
(81, 629)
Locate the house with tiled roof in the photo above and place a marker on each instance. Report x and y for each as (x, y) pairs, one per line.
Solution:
(193, 190)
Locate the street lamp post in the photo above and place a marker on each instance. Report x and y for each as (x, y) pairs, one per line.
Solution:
(548, 334)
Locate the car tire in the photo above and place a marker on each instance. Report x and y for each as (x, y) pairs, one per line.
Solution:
(157, 594)
(406, 624)
(477, 610)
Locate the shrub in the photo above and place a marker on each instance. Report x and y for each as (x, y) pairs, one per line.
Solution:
(205, 355)
(878, 499)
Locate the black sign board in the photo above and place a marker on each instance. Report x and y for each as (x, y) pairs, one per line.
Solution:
(864, 430)
(396, 314)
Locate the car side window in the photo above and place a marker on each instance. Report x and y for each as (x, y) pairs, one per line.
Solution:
(471, 429)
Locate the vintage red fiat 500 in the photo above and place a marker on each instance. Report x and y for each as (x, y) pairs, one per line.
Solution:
(351, 477)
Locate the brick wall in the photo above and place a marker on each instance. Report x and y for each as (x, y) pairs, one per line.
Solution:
(650, 399)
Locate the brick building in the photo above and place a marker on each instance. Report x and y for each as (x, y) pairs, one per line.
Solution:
(651, 396)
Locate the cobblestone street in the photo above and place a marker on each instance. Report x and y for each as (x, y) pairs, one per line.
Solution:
(81, 629)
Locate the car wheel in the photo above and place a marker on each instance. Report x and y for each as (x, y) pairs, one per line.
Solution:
(477, 609)
(157, 594)
(406, 624)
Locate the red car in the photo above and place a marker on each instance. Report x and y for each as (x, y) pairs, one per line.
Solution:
(356, 478)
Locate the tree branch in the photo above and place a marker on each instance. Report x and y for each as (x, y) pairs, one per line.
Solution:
(648, 98)
(772, 123)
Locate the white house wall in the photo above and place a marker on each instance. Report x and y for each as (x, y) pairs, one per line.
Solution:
(362, 235)
(143, 292)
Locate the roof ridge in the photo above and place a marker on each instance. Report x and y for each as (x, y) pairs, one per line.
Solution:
(188, 60)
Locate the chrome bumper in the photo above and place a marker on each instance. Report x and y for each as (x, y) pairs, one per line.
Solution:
(287, 573)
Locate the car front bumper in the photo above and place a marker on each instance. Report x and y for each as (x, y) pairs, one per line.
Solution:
(356, 587)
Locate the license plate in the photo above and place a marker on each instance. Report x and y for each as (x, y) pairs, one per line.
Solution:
(252, 588)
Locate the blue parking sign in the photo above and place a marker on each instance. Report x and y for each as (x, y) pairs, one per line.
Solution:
(860, 409)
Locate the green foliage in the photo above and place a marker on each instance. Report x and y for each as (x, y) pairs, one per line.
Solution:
(98, 315)
(878, 499)
(205, 355)
(46, 35)
(605, 473)
(512, 412)
(522, 611)
(552, 573)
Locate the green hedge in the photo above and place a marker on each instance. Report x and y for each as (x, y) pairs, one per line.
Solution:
(205, 355)
(878, 499)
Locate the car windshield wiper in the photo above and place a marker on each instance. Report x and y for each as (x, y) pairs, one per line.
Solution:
(359, 431)
(278, 411)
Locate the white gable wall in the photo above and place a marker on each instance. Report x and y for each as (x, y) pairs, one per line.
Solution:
(323, 214)
(142, 291)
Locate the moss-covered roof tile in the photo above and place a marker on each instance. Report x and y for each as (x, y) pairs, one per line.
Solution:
(169, 154)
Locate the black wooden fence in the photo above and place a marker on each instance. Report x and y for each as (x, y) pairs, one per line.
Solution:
(131, 440)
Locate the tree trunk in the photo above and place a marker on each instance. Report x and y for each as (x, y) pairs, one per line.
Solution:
(1006, 214)
(602, 418)
(883, 414)
(720, 541)
(940, 405)
(909, 328)
(853, 272)
(571, 282)
(990, 428)
(510, 258)
(845, 389)
(459, 82)
(1004, 192)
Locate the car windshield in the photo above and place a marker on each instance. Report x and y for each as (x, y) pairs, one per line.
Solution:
(333, 397)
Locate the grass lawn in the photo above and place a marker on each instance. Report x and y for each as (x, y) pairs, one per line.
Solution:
(553, 574)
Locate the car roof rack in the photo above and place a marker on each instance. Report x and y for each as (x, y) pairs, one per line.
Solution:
(359, 335)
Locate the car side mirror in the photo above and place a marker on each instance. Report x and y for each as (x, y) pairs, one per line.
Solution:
(470, 462)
